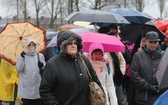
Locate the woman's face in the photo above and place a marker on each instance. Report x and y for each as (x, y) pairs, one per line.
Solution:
(32, 46)
(71, 48)
(97, 55)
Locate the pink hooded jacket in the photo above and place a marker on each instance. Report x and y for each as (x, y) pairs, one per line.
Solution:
(105, 77)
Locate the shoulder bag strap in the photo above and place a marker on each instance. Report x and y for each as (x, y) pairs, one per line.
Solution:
(38, 56)
(90, 77)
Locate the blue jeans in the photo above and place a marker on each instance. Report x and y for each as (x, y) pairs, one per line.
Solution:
(119, 94)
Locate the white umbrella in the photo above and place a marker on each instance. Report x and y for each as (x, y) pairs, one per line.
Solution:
(53, 42)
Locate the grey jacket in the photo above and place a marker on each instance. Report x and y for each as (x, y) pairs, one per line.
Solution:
(143, 69)
(29, 74)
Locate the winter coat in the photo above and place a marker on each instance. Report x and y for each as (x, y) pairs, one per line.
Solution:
(29, 73)
(65, 80)
(104, 74)
(143, 68)
(121, 60)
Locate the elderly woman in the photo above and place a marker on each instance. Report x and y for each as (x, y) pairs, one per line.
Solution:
(65, 80)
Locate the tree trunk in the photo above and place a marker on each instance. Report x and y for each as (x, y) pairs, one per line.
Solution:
(52, 14)
(37, 18)
(25, 11)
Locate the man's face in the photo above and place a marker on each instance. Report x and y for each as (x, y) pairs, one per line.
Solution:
(152, 45)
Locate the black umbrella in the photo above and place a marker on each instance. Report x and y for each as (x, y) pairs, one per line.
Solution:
(133, 32)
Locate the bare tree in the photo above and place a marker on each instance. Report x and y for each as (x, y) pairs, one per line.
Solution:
(54, 8)
(161, 4)
(140, 5)
(77, 5)
(39, 4)
(99, 4)
(70, 6)
(23, 6)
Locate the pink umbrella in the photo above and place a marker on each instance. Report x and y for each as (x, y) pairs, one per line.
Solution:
(110, 43)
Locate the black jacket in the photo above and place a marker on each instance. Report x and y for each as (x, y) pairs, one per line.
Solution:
(65, 81)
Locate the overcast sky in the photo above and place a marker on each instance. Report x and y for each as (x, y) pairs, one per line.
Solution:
(151, 10)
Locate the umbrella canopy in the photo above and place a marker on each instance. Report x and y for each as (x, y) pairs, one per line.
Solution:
(69, 26)
(162, 72)
(50, 35)
(163, 99)
(79, 30)
(133, 16)
(133, 32)
(110, 43)
(96, 16)
(14, 36)
(53, 42)
(161, 24)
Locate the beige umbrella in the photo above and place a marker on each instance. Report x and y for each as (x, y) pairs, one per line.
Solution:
(69, 26)
(14, 36)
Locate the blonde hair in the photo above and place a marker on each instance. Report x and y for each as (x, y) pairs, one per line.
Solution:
(142, 41)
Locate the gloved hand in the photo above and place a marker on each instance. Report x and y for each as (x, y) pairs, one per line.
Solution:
(40, 64)
(154, 89)
(23, 54)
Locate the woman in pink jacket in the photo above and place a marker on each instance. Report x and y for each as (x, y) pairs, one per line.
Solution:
(100, 65)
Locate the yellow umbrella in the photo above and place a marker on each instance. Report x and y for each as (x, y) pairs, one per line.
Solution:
(14, 36)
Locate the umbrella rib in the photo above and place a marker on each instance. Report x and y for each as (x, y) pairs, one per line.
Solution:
(31, 34)
(10, 36)
(10, 44)
(18, 44)
(16, 30)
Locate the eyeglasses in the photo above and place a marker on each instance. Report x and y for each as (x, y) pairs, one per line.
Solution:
(71, 43)
(32, 44)
(154, 42)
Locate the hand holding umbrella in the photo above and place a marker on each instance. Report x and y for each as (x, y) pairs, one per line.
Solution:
(23, 54)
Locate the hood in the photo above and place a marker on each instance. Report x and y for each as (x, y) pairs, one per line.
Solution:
(27, 49)
(95, 46)
(64, 37)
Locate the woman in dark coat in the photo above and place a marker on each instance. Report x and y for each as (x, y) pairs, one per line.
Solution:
(65, 80)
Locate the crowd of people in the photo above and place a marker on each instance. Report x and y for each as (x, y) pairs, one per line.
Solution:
(63, 80)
